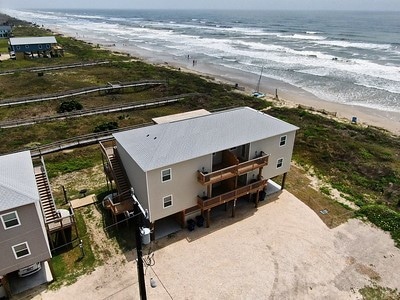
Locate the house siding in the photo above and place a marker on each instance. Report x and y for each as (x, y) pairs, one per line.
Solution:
(271, 146)
(30, 231)
(136, 177)
(183, 186)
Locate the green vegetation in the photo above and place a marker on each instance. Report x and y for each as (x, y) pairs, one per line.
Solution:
(68, 106)
(360, 162)
(69, 161)
(69, 265)
(3, 46)
(106, 126)
(376, 292)
(383, 217)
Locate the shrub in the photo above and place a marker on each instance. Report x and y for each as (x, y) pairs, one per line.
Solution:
(68, 106)
(106, 126)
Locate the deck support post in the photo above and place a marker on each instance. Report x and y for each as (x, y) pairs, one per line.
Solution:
(208, 218)
(283, 181)
(257, 199)
(234, 208)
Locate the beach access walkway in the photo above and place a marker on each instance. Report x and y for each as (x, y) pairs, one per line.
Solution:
(55, 67)
(97, 110)
(110, 87)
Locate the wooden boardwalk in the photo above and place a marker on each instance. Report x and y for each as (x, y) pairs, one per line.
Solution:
(95, 111)
(84, 91)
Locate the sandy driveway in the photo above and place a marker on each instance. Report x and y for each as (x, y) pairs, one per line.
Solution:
(280, 251)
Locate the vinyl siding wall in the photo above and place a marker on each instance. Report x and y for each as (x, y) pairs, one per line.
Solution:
(183, 187)
(29, 231)
(271, 146)
(136, 177)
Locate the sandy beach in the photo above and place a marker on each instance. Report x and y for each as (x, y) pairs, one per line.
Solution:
(289, 95)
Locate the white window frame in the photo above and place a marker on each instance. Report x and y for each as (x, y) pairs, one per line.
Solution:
(4, 223)
(170, 175)
(284, 138)
(15, 252)
(171, 200)
(279, 163)
(40, 47)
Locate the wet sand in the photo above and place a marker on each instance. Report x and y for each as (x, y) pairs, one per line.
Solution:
(289, 95)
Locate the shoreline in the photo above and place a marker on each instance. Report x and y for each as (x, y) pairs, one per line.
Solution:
(289, 95)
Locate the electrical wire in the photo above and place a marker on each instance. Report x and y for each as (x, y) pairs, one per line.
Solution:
(161, 283)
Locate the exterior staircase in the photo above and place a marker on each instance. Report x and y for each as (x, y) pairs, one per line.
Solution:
(119, 175)
(46, 198)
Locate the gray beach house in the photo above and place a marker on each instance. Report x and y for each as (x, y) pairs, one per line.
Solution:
(24, 243)
(182, 168)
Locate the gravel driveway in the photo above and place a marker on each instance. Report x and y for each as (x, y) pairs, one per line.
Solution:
(282, 250)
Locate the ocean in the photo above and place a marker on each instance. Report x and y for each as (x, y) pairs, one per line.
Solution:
(345, 57)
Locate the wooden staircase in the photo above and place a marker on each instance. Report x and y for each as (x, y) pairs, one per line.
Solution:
(46, 198)
(119, 175)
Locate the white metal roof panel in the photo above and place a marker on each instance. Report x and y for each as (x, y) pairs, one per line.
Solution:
(165, 144)
(17, 181)
(181, 116)
(15, 41)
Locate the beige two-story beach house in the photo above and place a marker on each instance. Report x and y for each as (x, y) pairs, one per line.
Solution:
(187, 166)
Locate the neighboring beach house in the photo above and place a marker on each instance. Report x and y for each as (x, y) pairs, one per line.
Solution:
(5, 31)
(183, 168)
(23, 237)
(42, 46)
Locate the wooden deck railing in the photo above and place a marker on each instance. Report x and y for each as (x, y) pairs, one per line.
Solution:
(232, 171)
(232, 195)
(60, 223)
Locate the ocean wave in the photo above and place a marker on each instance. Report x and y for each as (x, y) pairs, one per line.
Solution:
(358, 45)
(302, 37)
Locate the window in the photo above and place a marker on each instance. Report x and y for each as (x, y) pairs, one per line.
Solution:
(47, 46)
(279, 163)
(21, 250)
(10, 220)
(26, 46)
(167, 201)
(18, 47)
(282, 142)
(40, 46)
(166, 175)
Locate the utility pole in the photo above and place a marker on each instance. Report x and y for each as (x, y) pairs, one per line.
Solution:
(138, 240)
(139, 213)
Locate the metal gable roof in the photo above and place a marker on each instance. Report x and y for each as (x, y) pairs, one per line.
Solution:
(17, 181)
(15, 41)
(165, 144)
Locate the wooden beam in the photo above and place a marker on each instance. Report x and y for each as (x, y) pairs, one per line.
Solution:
(208, 218)
(234, 208)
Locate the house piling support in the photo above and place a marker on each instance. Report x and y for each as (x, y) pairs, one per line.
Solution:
(283, 181)
(233, 208)
(257, 199)
(208, 218)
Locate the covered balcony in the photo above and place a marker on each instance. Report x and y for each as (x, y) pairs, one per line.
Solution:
(206, 203)
(232, 171)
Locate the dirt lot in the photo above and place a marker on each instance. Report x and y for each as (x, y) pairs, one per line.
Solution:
(282, 250)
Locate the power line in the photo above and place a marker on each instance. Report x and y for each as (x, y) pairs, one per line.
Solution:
(165, 288)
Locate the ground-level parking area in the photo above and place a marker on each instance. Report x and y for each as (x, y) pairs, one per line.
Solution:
(23, 285)
(281, 250)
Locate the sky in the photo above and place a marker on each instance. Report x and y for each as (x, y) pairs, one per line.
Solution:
(370, 5)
